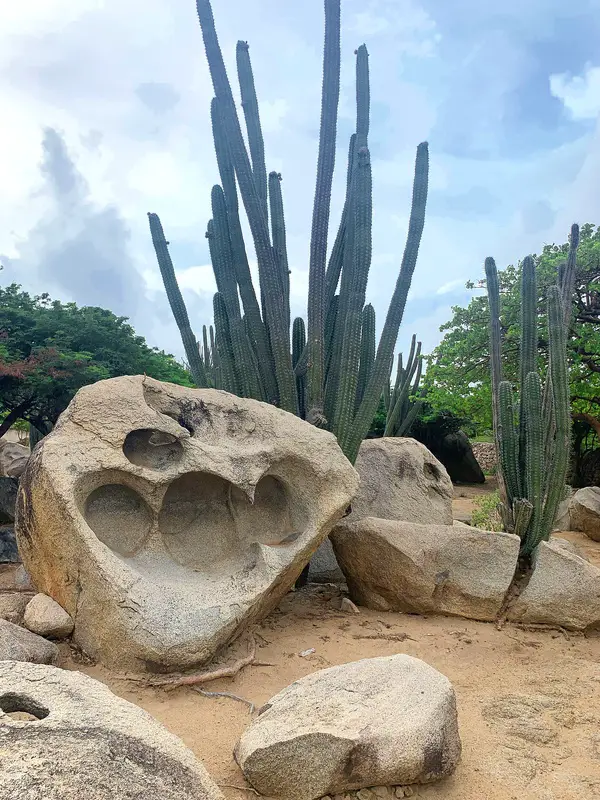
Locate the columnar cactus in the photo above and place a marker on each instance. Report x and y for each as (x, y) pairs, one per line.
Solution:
(401, 404)
(333, 375)
(533, 436)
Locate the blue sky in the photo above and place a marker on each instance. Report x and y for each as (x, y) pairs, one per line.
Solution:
(105, 116)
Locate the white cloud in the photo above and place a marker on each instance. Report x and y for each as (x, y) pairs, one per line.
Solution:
(580, 94)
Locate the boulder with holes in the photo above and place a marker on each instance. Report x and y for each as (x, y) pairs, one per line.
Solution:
(66, 736)
(165, 520)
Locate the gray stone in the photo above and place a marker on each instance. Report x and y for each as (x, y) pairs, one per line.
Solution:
(12, 606)
(567, 545)
(9, 553)
(375, 722)
(564, 590)
(563, 517)
(166, 520)
(324, 567)
(584, 512)
(65, 736)
(44, 616)
(8, 498)
(17, 644)
(424, 569)
(13, 458)
(15, 578)
(401, 480)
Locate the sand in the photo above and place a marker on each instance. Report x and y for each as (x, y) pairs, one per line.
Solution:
(528, 700)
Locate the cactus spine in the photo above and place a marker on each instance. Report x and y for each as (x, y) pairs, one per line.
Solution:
(533, 447)
(331, 373)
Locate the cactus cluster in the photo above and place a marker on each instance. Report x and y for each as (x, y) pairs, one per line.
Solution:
(331, 373)
(533, 433)
(402, 405)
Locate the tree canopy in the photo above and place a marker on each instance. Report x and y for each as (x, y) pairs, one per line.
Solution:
(458, 378)
(49, 350)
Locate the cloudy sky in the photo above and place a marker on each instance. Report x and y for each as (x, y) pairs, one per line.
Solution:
(105, 116)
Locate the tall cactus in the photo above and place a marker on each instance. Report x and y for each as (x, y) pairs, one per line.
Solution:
(333, 374)
(401, 404)
(533, 444)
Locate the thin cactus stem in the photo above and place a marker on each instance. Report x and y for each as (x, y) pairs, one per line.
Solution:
(407, 382)
(298, 346)
(226, 359)
(493, 293)
(529, 343)
(321, 211)
(534, 453)
(363, 97)
(509, 443)
(279, 236)
(167, 271)
(387, 342)
(253, 126)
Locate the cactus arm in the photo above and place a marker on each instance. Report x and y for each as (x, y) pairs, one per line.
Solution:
(298, 346)
(534, 456)
(253, 127)
(367, 351)
(509, 443)
(257, 330)
(176, 301)
(279, 236)
(279, 334)
(321, 211)
(529, 345)
(226, 359)
(387, 342)
(567, 285)
(334, 267)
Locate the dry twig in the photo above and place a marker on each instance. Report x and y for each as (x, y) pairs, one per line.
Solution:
(388, 637)
(204, 693)
(239, 788)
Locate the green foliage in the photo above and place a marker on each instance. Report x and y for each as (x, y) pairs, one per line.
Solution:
(337, 380)
(533, 435)
(486, 512)
(458, 378)
(49, 350)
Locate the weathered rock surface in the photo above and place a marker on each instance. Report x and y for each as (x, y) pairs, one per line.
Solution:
(165, 520)
(400, 479)
(8, 498)
(13, 458)
(444, 569)
(13, 605)
(584, 512)
(564, 590)
(9, 552)
(563, 517)
(375, 722)
(83, 742)
(324, 567)
(15, 578)
(45, 617)
(17, 644)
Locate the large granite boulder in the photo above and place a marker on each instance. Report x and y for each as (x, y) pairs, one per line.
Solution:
(13, 458)
(17, 644)
(564, 590)
(165, 520)
(67, 737)
(455, 452)
(375, 722)
(400, 479)
(584, 512)
(426, 569)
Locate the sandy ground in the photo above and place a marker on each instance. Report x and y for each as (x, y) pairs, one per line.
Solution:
(528, 700)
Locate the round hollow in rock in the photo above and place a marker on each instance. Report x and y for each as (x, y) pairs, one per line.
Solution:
(22, 708)
(119, 517)
(152, 449)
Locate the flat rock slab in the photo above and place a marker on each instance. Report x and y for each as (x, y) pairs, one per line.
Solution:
(18, 644)
(45, 617)
(426, 569)
(375, 722)
(584, 512)
(166, 520)
(564, 590)
(401, 479)
(65, 736)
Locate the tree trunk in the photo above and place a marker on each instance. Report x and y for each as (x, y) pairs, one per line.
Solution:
(13, 416)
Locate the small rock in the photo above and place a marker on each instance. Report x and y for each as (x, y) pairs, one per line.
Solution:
(380, 791)
(306, 653)
(365, 794)
(399, 792)
(45, 617)
(13, 458)
(394, 719)
(348, 606)
(17, 644)
(584, 511)
(12, 606)
(409, 791)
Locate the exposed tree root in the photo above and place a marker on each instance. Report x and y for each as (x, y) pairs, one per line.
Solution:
(205, 693)
(388, 637)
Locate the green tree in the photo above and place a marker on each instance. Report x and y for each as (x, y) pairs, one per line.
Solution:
(458, 377)
(49, 350)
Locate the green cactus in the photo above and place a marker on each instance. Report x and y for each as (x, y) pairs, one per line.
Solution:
(332, 374)
(533, 445)
(402, 404)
